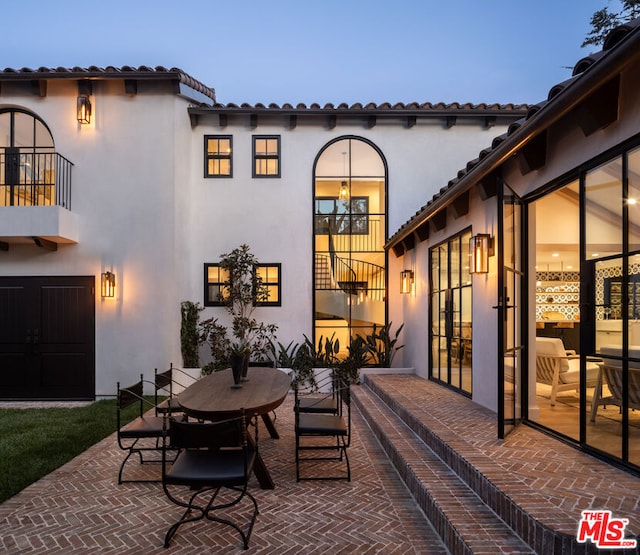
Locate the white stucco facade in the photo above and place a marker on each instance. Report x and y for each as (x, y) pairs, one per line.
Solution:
(142, 208)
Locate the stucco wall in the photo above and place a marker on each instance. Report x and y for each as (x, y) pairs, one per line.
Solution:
(147, 213)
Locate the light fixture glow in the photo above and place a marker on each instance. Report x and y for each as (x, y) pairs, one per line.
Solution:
(406, 281)
(108, 284)
(344, 193)
(480, 249)
(84, 109)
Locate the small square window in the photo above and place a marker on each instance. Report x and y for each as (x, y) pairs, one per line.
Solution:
(214, 279)
(266, 156)
(218, 150)
(270, 274)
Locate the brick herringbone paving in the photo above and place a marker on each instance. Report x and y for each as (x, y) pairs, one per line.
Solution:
(552, 481)
(81, 509)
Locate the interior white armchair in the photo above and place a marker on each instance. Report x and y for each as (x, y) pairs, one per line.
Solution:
(559, 368)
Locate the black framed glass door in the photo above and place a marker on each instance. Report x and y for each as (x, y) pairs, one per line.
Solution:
(510, 333)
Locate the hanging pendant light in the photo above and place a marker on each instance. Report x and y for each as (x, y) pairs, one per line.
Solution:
(344, 194)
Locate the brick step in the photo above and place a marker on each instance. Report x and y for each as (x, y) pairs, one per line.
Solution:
(463, 520)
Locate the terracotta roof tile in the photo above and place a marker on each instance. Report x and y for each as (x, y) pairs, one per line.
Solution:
(110, 72)
(612, 39)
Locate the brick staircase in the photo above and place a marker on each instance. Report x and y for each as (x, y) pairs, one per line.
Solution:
(483, 495)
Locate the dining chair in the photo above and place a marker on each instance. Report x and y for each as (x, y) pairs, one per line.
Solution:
(322, 433)
(212, 457)
(163, 385)
(320, 397)
(131, 436)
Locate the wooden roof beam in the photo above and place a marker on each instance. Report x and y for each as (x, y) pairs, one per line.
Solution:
(460, 205)
(601, 108)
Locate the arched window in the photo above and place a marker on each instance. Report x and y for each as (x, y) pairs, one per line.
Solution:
(350, 229)
(27, 159)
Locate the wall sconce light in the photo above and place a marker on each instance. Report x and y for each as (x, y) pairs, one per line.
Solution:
(480, 248)
(406, 281)
(108, 284)
(84, 104)
(84, 109)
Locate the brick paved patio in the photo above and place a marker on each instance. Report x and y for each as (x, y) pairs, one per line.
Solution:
(79, 508)
(540, 482)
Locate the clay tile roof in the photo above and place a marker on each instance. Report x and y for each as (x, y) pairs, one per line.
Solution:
(615, 37)
(110, 72)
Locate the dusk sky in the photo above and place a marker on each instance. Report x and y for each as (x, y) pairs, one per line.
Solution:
(323, 51)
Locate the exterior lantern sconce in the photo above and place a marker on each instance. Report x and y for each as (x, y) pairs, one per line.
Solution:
(84, 109)
(84, 104)
(481, 248)
(406, 281)
(108, 284)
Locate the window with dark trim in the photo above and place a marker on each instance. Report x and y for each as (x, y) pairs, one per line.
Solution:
(266, 156)
(271, 282)
(218, 161)
(215, 278)
(344, 217)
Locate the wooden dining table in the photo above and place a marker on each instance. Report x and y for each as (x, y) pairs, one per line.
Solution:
(213, 398)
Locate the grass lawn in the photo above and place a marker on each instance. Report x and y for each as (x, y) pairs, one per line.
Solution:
(36, 441)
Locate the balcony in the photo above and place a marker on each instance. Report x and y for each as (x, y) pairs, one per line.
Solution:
(35, 199)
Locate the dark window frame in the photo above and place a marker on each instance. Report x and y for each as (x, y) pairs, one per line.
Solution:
(354, 217)
(218, 284)
(265, 157)
(217, 156)
(208, 284)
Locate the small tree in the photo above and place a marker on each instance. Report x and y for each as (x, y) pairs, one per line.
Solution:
(191, 335)
(603, 21)
(240, 293)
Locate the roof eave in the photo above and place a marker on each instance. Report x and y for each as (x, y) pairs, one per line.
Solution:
(599, 73)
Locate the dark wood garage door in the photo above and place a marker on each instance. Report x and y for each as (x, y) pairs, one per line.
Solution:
(47, 335)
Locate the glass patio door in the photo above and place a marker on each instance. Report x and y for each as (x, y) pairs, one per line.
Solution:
(510, 336)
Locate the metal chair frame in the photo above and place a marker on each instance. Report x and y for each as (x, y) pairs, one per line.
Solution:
(144, 426)
(323, 425)
(212, 456)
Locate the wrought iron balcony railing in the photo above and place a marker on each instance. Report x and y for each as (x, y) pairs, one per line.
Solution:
(34, 177)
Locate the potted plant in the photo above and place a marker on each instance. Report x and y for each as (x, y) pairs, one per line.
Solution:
(215, 334)
(241, 292)
(348, 368)
(381, 345)
(239, 358)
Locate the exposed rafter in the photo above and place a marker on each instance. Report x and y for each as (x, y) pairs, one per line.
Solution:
(533, 155)
(39, 87)
(439, 220)
(601, 108)
(131, 87)
(460, 205)
(45, 244)
(422, 232)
